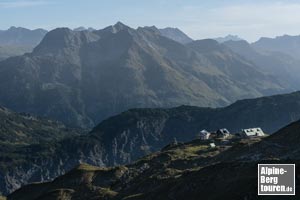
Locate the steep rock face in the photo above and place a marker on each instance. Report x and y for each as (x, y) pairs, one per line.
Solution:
(37, 163)
(82, 77)
(138, 132)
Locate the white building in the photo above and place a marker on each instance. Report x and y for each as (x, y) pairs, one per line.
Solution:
(204, 135)
(252, 132)
(223, 133)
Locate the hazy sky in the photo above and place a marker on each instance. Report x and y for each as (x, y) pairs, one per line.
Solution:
(250, 19)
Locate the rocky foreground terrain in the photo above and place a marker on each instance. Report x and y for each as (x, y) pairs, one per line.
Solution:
(192, 170)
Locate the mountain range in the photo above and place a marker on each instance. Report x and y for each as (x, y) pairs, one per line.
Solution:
(83, 77)
(278, 64)
(19, 36)
(16, 41)
(286, 44)
(144, 94)
(124, 138)
(179, 171)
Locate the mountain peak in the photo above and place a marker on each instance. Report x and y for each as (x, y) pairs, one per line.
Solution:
(205, 45)
(14, 28)
(175, 34)
(152, 29)
(228, 38)
(54, 40)
(58, 32)
(119, 26)
(80, 28)
(119, 23)
(239, 42)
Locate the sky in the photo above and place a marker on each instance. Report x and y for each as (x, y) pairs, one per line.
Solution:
(249, 19)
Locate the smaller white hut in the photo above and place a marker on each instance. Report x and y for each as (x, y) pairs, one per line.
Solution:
(223, 133)
(204, 135)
